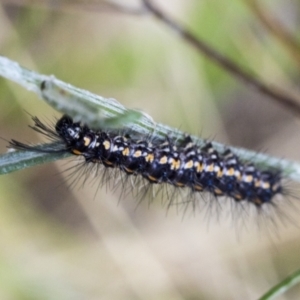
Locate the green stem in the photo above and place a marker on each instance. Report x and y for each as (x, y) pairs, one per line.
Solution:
(282, 287)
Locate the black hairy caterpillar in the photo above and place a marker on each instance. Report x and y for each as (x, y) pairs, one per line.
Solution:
(182, 165)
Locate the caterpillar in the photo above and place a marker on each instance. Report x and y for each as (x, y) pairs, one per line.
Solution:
(183, 165)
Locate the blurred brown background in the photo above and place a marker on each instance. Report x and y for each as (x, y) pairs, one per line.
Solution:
(66, 243)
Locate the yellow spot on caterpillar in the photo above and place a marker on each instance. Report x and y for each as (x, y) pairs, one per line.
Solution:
(152, 179)
(128, 170)
(109, 163)
(265, 185)
(163, 160)
(210, 168)
(106, 145)
(198, 187)
(137, 153)
(179, 184)
(125, 152)
(149, 158)
(87, 141)
(238, 197)
(76, 152)
(219, 173)
(248, 178)
(218, 192)
(175, 164)
(230, 172)
(189, 165)
(199, 167)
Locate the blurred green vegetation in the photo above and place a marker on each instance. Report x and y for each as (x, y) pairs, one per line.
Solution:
(61, 242)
